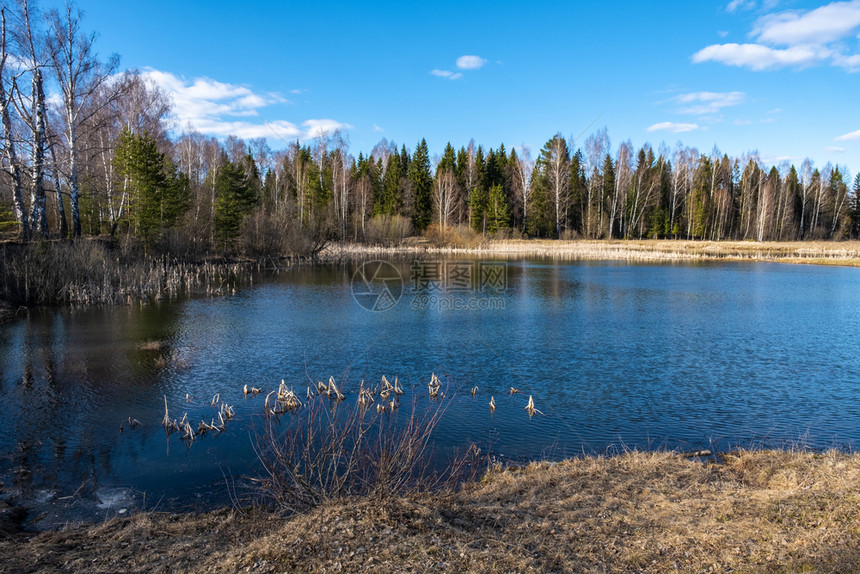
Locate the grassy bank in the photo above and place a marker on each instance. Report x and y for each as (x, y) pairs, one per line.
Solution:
(657, 250)
(764, 511)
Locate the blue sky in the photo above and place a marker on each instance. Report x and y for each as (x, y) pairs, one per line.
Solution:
(780, 77)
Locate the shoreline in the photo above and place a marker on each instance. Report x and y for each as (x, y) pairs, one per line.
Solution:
(94, 283)
(648, 250)
(637, 511)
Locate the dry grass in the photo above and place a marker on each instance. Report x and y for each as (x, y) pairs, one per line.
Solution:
(816, 252)
(764, 511)
(90, 272)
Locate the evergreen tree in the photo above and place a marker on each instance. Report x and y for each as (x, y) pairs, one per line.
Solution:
(539, 221)
(478, 196)
(157, 192)
(235, 197)
(609, 190)
(462, 164)
(422, 182)
(699, 207)
(448, 161)
(498, 210)
(578, 192)
(840, 216)
(389, 203)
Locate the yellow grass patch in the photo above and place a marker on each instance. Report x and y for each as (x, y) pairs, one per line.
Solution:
(760, 511)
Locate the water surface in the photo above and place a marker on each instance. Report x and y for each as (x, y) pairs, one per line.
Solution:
(687, 356)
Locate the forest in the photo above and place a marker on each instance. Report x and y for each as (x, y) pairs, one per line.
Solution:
(89, 150)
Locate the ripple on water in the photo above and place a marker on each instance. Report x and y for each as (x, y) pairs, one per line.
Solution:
(615, 356)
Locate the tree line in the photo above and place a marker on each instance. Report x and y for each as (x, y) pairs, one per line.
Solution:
(100, 159)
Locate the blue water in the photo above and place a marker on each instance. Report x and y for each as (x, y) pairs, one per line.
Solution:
(616, 356)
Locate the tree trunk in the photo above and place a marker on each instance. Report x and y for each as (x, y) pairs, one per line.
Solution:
(11, 157)
(61, 209)
(37, 192)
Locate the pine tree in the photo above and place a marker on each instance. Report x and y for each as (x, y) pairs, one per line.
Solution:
(609, 189)
(235, 197)
(498, 210)
(157, 191)
(700, 206)
(422, 182)
(478, 196)
(578, 193)
(389, 203)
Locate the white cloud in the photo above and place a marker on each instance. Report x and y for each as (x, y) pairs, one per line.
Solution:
(834, 149)
(377, 128)
(470, 62)
(447, 74)
(704, 103)
(463, 63)
(673, 127)
(794, 38)
(317, 128)
(218, 108)
(736, 5)
(823, 25)
(758, 57)
(849, 137)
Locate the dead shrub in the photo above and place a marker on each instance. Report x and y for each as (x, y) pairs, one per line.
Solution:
(460, 236)
(330, 448)
(182, 243)
(387, 230)
(506, 234)
(263, 235)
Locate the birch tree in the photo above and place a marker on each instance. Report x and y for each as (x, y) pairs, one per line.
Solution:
(521, 173)
(80, 76)
(555, 160)
(10, 154)
(33, 113)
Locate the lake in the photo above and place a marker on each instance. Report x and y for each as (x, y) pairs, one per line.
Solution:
(617, 356)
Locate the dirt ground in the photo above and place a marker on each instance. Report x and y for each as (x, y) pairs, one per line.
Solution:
(764, 511)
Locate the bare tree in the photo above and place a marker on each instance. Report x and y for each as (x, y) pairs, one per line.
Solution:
(340, 179)
(445, 196)
(805, 186)
(33, 112)
(80, 76)
(363, 197)
(10, 156)
(522, 168)
(596, 146)
(623, 177)
(144, 108)
(820, 197)
(556, 160)
(678, 187)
